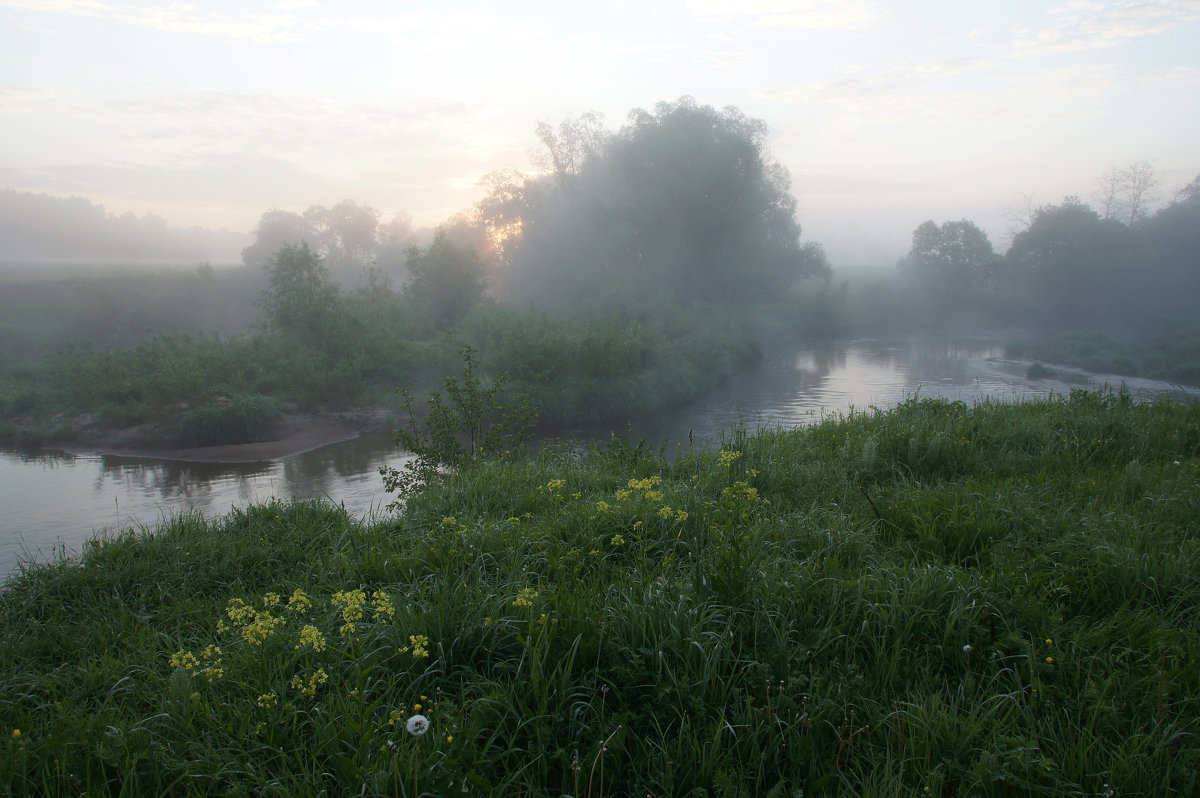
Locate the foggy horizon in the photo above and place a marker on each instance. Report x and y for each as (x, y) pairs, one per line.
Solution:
(885, 117)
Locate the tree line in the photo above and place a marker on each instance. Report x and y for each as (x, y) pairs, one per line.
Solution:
(1117, 267)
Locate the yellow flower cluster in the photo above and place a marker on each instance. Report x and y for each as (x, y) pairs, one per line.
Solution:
(241, 613)
(728, 458)
(740, 492)
(261, 628)
(207, 665)
(647, 487)
(311, 637)
(308, 688)
(351, 603)
(268, 700)
(666, 513)
(525, 597)
(381, 606)
(418, 645)
(299, 603)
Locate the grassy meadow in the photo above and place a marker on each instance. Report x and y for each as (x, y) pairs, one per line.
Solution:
(935, 600)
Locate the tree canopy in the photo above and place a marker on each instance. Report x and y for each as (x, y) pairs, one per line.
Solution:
(347, 237)
(951, 260)
(684, 202)
(447, 281)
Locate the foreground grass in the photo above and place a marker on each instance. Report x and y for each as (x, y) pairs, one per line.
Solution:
(937, 600)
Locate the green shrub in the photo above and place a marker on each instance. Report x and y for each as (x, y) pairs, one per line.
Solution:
(245, 418)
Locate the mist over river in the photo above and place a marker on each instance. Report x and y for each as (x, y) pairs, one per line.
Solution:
(52, 502)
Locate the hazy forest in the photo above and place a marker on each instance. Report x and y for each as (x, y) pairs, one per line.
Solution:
(630, 270)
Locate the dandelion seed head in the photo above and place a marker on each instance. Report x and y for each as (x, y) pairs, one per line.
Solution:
(417, 725)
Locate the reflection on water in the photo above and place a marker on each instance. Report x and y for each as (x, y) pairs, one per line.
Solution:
(50, 500)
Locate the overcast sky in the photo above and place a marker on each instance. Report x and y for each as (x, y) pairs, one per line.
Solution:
(885, 113)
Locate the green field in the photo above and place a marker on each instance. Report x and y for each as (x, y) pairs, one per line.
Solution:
(934, 600)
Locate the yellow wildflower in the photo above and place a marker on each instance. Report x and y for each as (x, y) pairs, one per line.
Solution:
(617, 540)
(261, 629)
(311, 637)
(240, 612)
(525, 597)
(381, 606)
(418, 645)
(309, 688)
(299, 602)
(351, 603)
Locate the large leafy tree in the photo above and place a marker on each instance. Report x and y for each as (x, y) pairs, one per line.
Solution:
(447, 281)
(347, 237)
(684, 202)
(954, 260)
(1076, 266)
(300, 301)
(1173, 236)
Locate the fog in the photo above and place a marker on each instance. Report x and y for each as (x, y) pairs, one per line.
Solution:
(39, 228)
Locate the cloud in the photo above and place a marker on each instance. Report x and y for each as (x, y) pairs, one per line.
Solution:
(258, 28)
(1092, 26)
(899, 97)
(21, 99)
(183, 18)
(825, 184)
(214, 178)
(286, 123)
(802, 14)
(87, 8)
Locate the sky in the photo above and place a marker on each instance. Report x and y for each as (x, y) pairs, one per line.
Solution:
(886, 114)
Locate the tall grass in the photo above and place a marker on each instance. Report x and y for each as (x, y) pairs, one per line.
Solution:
(936, 600)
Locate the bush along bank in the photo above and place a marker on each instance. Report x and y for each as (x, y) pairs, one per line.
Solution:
(935, 600)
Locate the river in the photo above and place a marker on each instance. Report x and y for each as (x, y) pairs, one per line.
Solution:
(51, 502)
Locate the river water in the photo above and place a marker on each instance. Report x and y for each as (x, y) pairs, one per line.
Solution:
(51, 502)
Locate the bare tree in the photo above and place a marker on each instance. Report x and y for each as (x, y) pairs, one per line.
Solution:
(1126, 194)
(1109, 191)
(1019, 215)
(1140, 187)
(577, 141)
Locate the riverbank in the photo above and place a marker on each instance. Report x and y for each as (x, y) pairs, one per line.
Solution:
(938, 599)
(296, 433)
